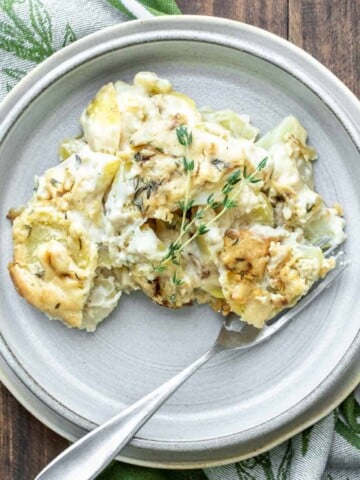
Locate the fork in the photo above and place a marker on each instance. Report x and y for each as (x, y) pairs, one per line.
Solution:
(88, 457)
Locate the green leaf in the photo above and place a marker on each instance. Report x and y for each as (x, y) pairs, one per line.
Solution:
(305, 440)
(242, 470)
(156, 7)
(185, 206)
(16, 37)
(226, 189)
(184, 136)
(186, 475)
(229, 203)
(162, 7)
(32, 39)
(160, 268)
(219, 164)
(210, 200)
(15, 73)
(234, 178)
(262, 164)
(199, 214)
(348, 422)
(214, 204)
(177, 281)
(285, 465)
(174, 246)
(18, 47)
(7, 6)
(69, 36)
(54, 182)
(8, 30)
(117, 4)
(188, 165)
(122, 471)
(41, 22)
(202, 229)
(351, 410)
(265, 461)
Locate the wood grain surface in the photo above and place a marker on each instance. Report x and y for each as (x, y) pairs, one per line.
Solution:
(330, 31)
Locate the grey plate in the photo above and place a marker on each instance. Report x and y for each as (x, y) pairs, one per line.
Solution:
(241, 403)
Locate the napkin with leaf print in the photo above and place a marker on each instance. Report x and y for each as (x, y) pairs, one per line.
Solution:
(31, 31)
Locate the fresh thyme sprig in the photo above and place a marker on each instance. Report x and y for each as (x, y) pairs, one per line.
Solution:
(226, 202)
(175, 248)
(185, 139)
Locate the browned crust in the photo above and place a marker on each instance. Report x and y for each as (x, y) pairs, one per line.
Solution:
(45, 296)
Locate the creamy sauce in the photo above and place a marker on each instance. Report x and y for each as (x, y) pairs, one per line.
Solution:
(115, 204)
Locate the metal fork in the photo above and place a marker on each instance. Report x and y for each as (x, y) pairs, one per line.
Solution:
(87, 457)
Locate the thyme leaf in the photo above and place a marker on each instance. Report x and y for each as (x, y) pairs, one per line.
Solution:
(177, 281)
(175, 248)
(185, 206)
(138, 202)
(184, 136)
(202, 229)
(188, 165)
(54, 182)
(262, 164)
(219, 164)
(140, 157)
(149, 188)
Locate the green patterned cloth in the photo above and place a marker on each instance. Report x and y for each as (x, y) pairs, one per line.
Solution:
(31, 31)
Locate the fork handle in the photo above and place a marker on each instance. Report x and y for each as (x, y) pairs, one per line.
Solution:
(87, 457)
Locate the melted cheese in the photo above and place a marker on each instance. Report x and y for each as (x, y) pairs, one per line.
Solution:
(102, 221)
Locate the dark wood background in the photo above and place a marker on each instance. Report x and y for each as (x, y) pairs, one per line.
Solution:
(330, 31)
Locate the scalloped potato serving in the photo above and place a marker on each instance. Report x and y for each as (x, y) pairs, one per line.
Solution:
(184, 204)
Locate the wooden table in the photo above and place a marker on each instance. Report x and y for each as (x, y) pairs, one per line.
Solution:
(330, 31)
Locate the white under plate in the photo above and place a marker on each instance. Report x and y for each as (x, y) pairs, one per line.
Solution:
(240, 403)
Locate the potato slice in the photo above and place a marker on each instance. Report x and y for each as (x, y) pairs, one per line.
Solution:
(54, 263)
(101, 121)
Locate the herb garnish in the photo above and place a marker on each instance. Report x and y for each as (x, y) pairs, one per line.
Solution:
(54, 182)
(141, 157)
(175, 248)
(219, 164)
(185, 139)
(139, 204)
